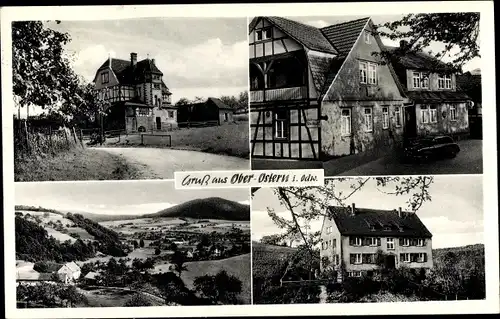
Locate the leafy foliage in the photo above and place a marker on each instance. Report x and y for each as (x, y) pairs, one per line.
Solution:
(50, 295)
(219, 289)
(138, 300)
(456, 30)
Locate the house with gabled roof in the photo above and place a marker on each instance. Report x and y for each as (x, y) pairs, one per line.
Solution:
(135, 96)
(436, 105)
(320, 92)
(211, 112)
(357, 242)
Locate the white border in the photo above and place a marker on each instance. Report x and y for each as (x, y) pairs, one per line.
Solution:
(490, 305)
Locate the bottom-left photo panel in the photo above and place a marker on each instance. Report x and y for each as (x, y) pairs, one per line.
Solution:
(130, 244)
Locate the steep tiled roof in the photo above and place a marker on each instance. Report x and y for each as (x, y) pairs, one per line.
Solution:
(127, 74)
(309, 36)
(437, 96)
(417, 60)
(372, 222)
(221, 105)
(344, 35)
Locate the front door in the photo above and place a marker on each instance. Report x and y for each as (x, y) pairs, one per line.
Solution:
(158, 123)
(390, 261)
(410, 122)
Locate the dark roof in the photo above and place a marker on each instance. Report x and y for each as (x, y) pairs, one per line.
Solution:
(467, 79)
(309, 36)
(417, 60)
(409, 225)
(219, 103)
(344, 35)
(437, 96)
(126, 73)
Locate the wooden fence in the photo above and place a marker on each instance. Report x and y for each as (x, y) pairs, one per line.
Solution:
(163, 137)
(198, 124)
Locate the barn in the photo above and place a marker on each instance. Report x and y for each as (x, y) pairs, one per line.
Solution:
(209, 113)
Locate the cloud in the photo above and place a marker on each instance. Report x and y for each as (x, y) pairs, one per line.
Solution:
(444, 225)
(90, 58)
(244, 202)
(318, 23)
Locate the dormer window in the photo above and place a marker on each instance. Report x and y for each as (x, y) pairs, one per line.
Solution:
(156, 77)
(105, 77)
(444, 81)
(420, 80)
(263, 34)
(156, 86)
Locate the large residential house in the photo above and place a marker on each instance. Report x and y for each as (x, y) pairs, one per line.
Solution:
(357, 241)
(136, 97)
(320, 92)
(435, 105)
(65, 273)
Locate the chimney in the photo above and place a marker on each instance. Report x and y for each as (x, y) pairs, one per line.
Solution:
(133, 58)
(153, 61)
(353, 209)
(403, 44)
(400, 212)
(110, 60)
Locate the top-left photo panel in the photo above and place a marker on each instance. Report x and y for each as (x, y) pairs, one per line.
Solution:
(128, 99)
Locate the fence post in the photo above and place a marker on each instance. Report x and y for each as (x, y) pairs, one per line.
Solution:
(142, 139)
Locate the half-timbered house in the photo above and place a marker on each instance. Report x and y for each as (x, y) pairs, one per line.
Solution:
(135, 96)
(320, 92)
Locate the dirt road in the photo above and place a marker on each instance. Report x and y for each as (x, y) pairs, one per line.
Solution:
(153, 163)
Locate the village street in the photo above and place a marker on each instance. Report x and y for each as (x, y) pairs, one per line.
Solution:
(468, 161)
(152, 163)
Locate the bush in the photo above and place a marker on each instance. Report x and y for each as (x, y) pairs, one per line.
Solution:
(138, 300)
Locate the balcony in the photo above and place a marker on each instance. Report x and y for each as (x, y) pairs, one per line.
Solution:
(283, 94)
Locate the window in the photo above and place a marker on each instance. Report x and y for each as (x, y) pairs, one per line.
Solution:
(405, 257)
(424, 111)
(420, 242)
(363, 72)
(356, 259)
(105, 77)
(326, 244)
(346, 122)
(420, 80)
(406, 242)
(156, 100)
(354, 274)
(171, 114)
(399, 119)
(357, 241)
(369, 258)
(444, 81)
(421, 257)
(368, 119)
(372, 241)
(329, 229)
(156, 77)
(372, 73)
(280, 127)
(366, 36)
(453, 112)
(385, 117)
(263, 34)
(390, 243)
(156, 86)
(226, 117)
(143, 111)
(433, 110)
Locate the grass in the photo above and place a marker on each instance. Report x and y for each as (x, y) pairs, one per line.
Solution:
(238, 266)
(231, 139)
(109, 297)
(75, 164)
(269, 260)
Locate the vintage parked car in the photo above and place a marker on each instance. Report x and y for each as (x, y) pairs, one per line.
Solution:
(428, 148)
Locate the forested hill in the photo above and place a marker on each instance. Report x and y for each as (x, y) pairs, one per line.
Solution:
(34, 244)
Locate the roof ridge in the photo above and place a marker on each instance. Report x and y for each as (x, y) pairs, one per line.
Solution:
(370, 209)
(345, 22)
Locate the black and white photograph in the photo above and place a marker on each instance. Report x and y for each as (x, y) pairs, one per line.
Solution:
(129, 98)
(367, 239)
(130, 244)
(367, 95)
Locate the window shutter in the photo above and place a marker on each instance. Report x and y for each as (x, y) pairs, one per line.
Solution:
(401, 241)
(401, 258)
(365, 241)
(334, 242)
(379, 242)
(425, 257)
(352, 258)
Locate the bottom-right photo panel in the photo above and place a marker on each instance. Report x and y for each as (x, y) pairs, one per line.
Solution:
(369, 239)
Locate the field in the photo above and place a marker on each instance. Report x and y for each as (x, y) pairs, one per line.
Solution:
(238, 266)
(112, 297)
(269, 260)
(231, 139)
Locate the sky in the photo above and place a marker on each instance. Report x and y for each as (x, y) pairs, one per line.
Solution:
(198, 56)
(454, 215)
(116, 197)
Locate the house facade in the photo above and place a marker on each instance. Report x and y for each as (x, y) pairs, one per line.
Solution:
(356, 242)
(317, 93)
(211, 112)
(69, 272)
(435, 105)
(135, 96)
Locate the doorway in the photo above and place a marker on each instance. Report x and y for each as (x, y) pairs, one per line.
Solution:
(158, 123)
(410, 122)
(390, 261)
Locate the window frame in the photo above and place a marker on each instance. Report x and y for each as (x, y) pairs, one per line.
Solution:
(105, 77)
(453, 112)
(390, 240)
(366, 37)
(373, 241)
(284, 130)
(447, 80)
(365, 121)
(363, 72)
(416, 76)
(420, 242)
(425, 114)
(354, 274)
(356, 261)
(406, 260)
(343, 118)
(356, 240)
(385, 117)
(406, 242)
(433, 117)
(398, 114)
(372, 72)
(263, 34)
(421, 260)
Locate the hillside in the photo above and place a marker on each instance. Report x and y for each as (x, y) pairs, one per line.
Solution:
(269, 261)
(207, 208)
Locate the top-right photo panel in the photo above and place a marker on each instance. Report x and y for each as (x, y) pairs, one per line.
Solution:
(379, 95)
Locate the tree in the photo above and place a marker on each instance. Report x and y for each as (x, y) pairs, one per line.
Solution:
(219, 289)
(306, 204)
(42, 74)
(157, 251)
(459, 31)
(141, 243)
(136, 244)
(178, 259)
(182, 101)
(274, 239)
(72, 296)
(172, 288)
